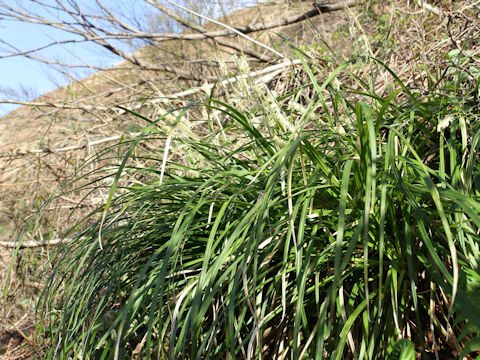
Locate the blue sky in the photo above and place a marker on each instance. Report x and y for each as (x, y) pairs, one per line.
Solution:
(27, 76)
(24, 75)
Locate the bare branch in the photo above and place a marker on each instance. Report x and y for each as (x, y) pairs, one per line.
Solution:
(64, 149)
(233, 80)
(54, 105)
(172, 96)
(328, 7)
(228, 28)
(159, 37)
(202, 30)
(34, 243)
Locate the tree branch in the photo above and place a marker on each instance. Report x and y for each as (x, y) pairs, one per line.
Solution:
(153, 101)
(239, 33)
(202, 30)
(33, 243)
(160, 37)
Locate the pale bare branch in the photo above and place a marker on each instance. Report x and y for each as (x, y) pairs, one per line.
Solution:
(34, 243)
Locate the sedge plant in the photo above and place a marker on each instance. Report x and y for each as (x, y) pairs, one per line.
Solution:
(342, 227)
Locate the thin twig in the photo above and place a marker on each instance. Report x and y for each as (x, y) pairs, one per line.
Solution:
(239, 33)
(22, 334)
(178, 95)
(231, 80)
(33, 243)
(67, 148)
(160, 37)
(201, 29)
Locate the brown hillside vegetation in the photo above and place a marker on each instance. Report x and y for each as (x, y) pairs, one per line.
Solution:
(86, 112)
(45, 143)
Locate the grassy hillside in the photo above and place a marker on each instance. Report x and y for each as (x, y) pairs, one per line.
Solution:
(85, 112)
(327, 209)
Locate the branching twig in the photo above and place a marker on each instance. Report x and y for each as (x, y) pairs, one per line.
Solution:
(232, 80)
(237, 32)
(178, 95)
(202, 30)
(160, 37)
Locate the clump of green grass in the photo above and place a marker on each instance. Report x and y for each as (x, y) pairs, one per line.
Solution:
(344, 227)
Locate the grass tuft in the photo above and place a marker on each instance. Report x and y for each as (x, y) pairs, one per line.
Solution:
(323, 222)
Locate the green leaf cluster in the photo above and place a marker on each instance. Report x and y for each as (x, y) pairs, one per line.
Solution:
(350, 232)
